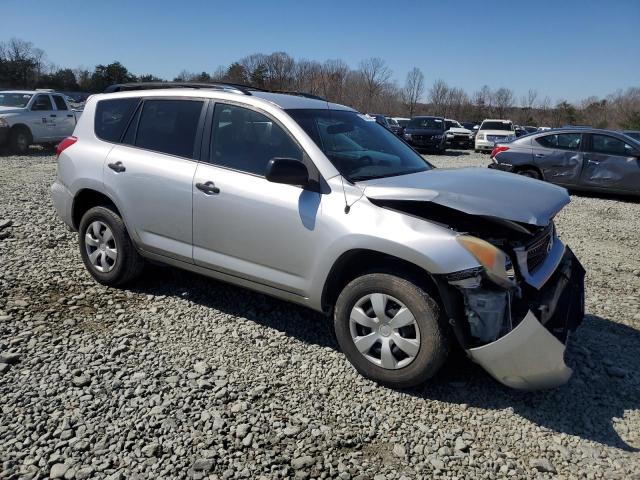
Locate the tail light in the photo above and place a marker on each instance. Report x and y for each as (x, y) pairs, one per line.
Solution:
(497, 150)
(64, 144)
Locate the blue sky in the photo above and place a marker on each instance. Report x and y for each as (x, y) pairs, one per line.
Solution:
(564, 49)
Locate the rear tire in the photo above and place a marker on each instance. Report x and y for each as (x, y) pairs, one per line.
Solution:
(530, 172)
(402, 355)
(19, 140)
(106, 249)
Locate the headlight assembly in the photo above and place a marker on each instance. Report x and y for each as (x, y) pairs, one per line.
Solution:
(494, 260)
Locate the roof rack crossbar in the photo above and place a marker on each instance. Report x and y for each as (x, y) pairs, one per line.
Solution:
(124, 87)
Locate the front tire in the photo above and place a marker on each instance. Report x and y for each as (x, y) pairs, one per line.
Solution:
(106, 249)
(19, 140)
(391, 330)
(530, 172)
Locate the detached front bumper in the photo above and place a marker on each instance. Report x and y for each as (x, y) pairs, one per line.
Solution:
(531, 355)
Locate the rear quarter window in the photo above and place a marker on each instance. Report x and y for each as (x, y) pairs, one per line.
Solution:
(112, 117)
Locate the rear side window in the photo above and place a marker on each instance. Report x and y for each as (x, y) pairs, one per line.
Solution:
(60, 103)
(169, 126)
(112, 117)
(246, 140)
(610, 145)
(561, 141)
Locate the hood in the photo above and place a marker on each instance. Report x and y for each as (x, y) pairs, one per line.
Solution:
(497, 132)
(476, 191)
(459, 130)
(11, 110)
(423, 131)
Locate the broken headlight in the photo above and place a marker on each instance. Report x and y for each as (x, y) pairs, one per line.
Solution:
(495, 262)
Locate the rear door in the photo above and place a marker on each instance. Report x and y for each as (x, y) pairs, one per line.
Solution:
(610, 165)
(150, 174)
(559, 156)
(65, 121)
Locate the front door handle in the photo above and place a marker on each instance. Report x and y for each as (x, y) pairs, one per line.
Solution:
(117, 167)
(208, 187)
(540, 155)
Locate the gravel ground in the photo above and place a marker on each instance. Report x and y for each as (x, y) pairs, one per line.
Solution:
(180, 376)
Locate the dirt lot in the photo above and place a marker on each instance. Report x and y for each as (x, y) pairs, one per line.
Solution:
(181, 376)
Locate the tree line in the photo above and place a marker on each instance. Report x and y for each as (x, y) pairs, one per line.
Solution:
(369, 87)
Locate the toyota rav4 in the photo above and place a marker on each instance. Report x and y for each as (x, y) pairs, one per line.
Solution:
(315, 203)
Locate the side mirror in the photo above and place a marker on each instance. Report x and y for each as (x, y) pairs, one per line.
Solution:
(288, 171)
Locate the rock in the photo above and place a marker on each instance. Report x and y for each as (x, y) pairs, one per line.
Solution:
(4, 223)
(202, 368)
(302, 462)
(461, 445)
(84, 472)
(203, 465)
(399, 451)
(436, 463)
(4, 367)
(291, 431)
(81, 380)
(542, 465)
(150, 450)
(242, 430)
(10, 358)
(58, 470)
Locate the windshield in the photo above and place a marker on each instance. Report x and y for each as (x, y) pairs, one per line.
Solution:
(357, 146)
(496, 126)
(426, 122)
(403, 123)
(392, 122)
(452, 124)
(14, 99)
(634, 135)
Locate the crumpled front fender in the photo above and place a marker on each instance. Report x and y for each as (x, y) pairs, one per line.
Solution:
(527, 358)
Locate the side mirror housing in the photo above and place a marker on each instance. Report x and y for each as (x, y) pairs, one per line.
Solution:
(288, 171)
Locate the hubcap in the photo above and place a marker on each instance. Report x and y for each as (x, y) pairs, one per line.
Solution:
(101, 247)
(384, 331)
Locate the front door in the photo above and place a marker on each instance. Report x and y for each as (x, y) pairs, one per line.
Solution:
(244, 225)
(610, 165)
(151, 176)
(559, 157)
(42, 119)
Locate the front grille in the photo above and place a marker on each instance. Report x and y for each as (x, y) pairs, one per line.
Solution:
(496, 138)
(538, 249)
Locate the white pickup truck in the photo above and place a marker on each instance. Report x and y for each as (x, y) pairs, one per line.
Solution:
(34, 117)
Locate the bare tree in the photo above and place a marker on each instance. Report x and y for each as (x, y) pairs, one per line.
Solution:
(503, 101)
(438, 94)
(375, 74)
(413, 89)
(333, 77)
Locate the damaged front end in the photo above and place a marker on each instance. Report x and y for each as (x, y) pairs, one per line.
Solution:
(514, 312)
(519, 334)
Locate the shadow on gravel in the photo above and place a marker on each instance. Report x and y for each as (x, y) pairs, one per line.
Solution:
(604, 385)
(34, 151)
(607, 196)
(447, 153)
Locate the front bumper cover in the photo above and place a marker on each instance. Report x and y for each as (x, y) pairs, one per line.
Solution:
(531, 356)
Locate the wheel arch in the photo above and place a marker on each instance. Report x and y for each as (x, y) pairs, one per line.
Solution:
(528, 166)
(87, 198)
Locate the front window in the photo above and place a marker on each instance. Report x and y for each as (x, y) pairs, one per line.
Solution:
(496, 126)
(452, 124)
(14, 99)
(426, 122)
(357, 146)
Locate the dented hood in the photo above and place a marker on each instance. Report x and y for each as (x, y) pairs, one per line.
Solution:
(476, 191)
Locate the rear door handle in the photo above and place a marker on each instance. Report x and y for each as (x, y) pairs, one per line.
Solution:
(117, 167)
(208, 188)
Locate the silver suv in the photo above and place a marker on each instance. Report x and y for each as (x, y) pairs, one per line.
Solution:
(317, 204)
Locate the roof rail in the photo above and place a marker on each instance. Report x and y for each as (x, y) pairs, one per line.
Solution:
(299, 94)
(125, 87)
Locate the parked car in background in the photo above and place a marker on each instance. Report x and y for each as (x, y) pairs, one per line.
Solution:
(635, 134)
(542, 129)
(426, 132)
(580, 159)
(530, 129)
(520, 131)
(492, 131)
(386, 122)
(316, 204)
(456, 136)
(403, 124)
(34, 117)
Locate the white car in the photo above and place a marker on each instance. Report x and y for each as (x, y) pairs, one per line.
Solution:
(457, 135)
(34, 117)
(492, 131)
